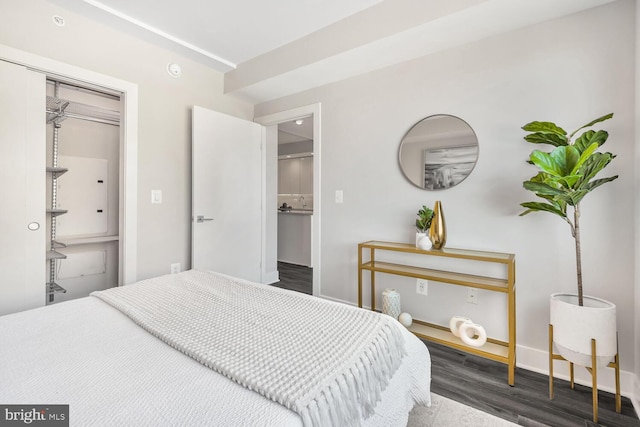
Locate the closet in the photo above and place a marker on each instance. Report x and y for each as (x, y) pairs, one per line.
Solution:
(82, 190)
(61, 165)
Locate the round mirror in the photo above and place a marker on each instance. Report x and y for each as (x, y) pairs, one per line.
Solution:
(438, 152)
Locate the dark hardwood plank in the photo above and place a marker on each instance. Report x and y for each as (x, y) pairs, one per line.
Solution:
(295, 278)
(482, 384)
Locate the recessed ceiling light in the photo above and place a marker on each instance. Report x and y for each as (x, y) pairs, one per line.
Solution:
(58, 20)
(299, 122)
(174, 70)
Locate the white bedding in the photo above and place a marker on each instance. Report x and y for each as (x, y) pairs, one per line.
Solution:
(111, 372)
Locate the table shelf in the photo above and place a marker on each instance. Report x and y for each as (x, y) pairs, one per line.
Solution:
(500, 351)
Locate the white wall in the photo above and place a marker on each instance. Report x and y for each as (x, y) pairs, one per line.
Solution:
(570, 71)
(164, 144)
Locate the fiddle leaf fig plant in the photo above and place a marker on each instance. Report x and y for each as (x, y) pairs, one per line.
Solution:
(425, 215)
(566, 174)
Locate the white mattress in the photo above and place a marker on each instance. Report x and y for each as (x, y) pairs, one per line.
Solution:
(113, 373)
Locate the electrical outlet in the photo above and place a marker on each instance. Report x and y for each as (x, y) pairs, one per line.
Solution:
(472, 296)
(422, 286)
(175, 268)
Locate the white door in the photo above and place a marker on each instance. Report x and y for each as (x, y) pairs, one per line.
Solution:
(227, 232)
(22, 171)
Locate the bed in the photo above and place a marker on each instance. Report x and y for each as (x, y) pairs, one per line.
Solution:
(151, 354)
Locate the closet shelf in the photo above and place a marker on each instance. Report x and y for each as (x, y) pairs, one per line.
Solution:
(59, 109)
(55, 255)
(56, 212)
(57, 244)
(87, 240)
(57, 170)
(54, 288)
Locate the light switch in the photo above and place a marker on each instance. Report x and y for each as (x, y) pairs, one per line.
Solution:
(156, 196)
(339, 198)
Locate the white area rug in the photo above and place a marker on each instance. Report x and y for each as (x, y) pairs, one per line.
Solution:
(449, 413)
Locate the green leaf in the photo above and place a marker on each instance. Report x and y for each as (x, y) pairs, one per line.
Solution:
(585, 156)
(560, 162)
(590, 137)
(598, 182)
(598, 120)
(577, 196)
(547, 138)
(541, 189)
(542, 207)
(592, 166)
(544, 127)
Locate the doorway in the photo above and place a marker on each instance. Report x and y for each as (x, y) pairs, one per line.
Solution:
(295, 204)
(286, 120)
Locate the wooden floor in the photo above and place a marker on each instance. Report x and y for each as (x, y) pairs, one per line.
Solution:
(482, 384)
(295, 278)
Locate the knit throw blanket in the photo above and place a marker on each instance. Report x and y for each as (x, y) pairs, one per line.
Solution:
(327, 362)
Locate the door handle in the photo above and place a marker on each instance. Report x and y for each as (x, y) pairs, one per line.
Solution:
(201, 218)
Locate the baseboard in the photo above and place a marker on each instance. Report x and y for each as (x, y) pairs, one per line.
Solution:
(536, 360)
(636, 395)
(271, 277)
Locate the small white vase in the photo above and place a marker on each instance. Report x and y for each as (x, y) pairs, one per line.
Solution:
(574, 327)
(391, 303)
(420, 236)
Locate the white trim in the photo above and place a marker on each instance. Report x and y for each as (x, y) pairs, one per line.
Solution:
(288, 115)
(635, 399)
(263, 205)
(272, 277)
(129, 144)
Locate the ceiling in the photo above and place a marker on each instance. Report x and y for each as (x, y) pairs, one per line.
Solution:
(270, 49)
(289, 132)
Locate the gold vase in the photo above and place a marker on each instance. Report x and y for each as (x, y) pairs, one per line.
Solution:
(438, 229)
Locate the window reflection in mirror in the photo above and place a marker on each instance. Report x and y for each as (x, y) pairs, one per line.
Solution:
(438, 152)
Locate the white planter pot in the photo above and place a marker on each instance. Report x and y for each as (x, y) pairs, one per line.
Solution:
(575, 326)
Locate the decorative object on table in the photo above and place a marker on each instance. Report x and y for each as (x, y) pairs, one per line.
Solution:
(566, 175)
(425, 215)
(405, 319)
(391, 303)
(470, 333)
(424, 243)
(473, 334)
(455, 322)
(438, 228)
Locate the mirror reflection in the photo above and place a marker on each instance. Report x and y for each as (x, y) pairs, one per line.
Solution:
(438, 152)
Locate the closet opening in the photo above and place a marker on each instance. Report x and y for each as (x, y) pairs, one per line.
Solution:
(83, 189)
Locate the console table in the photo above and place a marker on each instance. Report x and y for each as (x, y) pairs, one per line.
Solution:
(501, 351)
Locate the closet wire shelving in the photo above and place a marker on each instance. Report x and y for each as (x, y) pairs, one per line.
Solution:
(58, 110)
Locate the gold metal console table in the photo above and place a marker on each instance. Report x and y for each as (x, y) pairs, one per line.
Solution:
(501, 351)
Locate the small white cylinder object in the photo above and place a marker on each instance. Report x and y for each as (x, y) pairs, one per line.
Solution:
(405, 319)
(455, 322)
(472, 334)
(391, 303)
